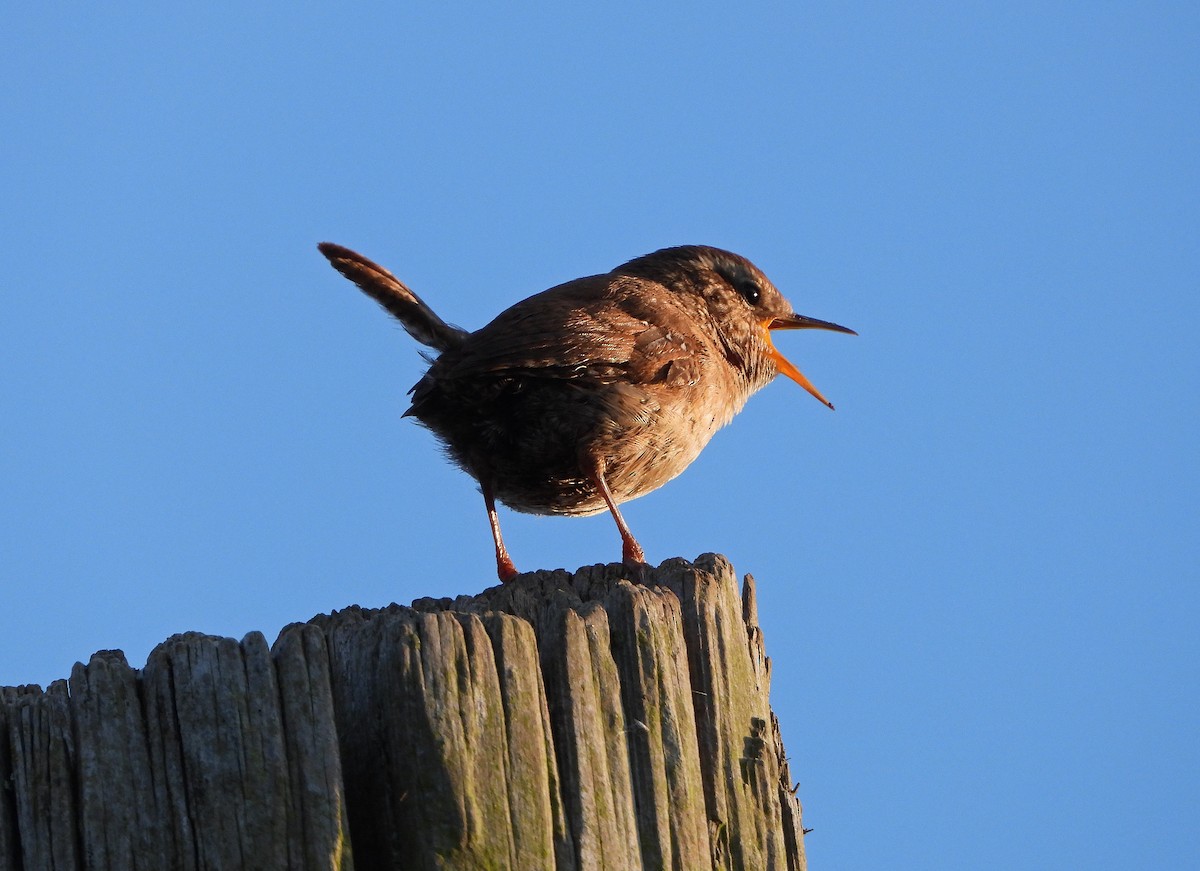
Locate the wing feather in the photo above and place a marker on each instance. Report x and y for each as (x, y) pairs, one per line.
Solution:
(589, 328)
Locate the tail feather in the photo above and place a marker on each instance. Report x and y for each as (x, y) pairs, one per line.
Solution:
(405, 306)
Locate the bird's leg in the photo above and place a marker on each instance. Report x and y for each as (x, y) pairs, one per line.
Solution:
(631, 551)
(504, 564)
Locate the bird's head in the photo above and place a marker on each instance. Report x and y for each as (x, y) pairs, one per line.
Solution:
(744, 307)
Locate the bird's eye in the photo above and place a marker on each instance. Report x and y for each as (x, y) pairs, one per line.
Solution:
(748, 288)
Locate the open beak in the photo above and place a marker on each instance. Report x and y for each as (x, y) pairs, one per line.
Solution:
(798, 322)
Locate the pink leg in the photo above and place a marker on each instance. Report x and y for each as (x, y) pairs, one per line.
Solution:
(504, 564)
(631, 551)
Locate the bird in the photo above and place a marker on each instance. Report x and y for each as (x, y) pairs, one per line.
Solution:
(597, 391)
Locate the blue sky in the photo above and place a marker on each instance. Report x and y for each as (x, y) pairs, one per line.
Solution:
(978, 577)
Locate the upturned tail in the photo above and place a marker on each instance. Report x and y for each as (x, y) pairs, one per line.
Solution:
(414, 315)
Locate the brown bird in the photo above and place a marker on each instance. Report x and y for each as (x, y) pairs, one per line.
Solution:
(599, 390)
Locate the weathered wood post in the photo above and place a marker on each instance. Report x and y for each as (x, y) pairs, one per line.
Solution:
(558, 722)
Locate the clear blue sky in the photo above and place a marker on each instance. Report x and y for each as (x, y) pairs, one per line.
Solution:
(978, 577)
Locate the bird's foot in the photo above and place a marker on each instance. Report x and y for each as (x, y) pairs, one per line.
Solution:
(505, 568)
(634, 559)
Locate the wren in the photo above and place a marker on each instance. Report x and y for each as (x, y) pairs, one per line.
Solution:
(599, 390)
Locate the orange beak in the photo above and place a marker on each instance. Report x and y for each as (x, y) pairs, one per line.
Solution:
(798, 322)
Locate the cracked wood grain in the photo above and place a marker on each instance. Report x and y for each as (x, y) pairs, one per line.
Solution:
(575, 722)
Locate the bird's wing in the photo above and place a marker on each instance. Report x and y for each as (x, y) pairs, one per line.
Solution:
(589, 328)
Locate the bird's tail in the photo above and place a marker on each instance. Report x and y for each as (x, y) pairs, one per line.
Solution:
(387, 290)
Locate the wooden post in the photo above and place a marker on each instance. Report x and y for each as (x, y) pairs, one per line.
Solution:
(562, 721)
